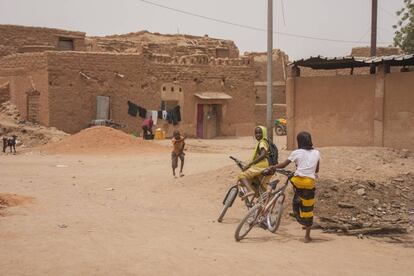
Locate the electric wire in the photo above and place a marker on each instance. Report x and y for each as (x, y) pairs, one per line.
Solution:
(255, 28)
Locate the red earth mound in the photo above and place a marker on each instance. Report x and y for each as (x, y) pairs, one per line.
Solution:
(10, 200)
(102, 140)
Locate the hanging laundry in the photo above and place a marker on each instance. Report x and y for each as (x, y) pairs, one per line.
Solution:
(132, 109)
(178, 112)
(160, 114)
(154, 116)
(169, 117)
(174, 117)
(142, 112)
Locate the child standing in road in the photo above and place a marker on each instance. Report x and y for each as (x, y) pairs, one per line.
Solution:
(306, 159)
(178, 152)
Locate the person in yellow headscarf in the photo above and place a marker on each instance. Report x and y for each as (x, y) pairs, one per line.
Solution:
(258, 163)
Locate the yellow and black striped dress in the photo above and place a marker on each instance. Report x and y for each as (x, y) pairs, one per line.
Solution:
(304, 199)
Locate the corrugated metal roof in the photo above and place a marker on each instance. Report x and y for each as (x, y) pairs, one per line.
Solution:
(321, 62)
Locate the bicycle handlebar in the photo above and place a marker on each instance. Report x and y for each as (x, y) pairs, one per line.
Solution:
(234, 158)
(238, 162)
(285, 172)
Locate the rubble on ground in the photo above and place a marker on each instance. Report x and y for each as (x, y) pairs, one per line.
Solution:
(366, 207)
(28, 134)
(355, 206)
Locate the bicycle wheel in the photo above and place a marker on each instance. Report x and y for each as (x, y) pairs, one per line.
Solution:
(275, 214)
(227, 203)
(247, 223)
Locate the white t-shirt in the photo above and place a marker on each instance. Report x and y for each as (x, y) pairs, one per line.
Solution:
(306, 162)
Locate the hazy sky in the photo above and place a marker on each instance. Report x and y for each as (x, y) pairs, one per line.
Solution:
(348, 20)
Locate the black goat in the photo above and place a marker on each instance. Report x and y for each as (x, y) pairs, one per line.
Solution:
(9, 142)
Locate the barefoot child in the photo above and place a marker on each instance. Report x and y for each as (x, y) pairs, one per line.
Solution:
(307, 165)
(178, 152)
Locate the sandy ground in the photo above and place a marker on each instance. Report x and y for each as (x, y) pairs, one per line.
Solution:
(126, 215)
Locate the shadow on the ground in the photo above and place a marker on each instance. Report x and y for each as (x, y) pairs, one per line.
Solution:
(230, 221)
(406, 240)
(282, 235)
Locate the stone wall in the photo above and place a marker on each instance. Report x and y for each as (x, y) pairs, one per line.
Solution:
(21, 39)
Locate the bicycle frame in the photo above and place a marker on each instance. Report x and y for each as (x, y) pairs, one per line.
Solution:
(239, 186)
(270, 197)
(274, 195)
(238, 190)
(262, 210)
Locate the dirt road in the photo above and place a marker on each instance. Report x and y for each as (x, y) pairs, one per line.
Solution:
(126, 215)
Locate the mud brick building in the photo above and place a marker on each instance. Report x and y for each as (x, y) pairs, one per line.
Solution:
(22, 39)
(164, 44)
(280, 60)
(59, 78)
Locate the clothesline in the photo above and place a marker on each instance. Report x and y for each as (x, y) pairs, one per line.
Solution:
(172, 116)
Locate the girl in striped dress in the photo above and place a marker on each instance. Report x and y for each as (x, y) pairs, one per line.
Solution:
(306, 159)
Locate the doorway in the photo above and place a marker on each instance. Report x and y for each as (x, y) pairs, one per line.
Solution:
(33, 107)
(102, 108)
(208, 120)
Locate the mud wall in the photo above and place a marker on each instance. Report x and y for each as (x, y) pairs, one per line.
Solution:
(337, 110)
(399, 110)
(27, 73)
(235, 81)
(74, 87)
(280, 59)
(21, 39)
(4, 91)
(278, 110)
(166, 44)
(363, 110)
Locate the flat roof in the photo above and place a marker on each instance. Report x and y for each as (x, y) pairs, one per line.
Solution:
(213, 96)
(321, 62)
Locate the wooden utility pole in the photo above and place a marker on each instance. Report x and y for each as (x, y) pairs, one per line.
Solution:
(269, 106)
(374, 16)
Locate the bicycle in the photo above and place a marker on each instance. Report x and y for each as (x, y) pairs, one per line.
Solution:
(240, 190)
(267, 212)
